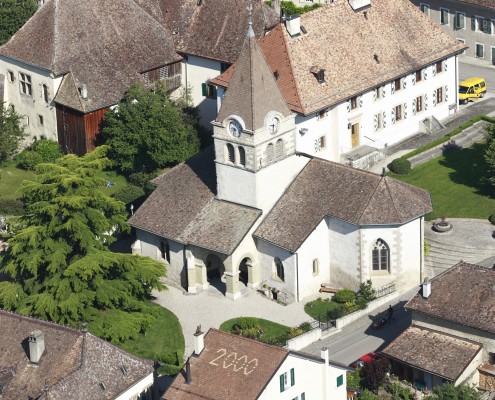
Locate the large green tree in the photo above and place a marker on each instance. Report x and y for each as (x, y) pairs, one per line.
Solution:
(59, 264)
(14, 14)
(11, 132)
(147, 131)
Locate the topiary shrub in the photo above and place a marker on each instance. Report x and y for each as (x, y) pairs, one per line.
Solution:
(28, 159)
(128, 194)
(49, 150)
(305, 326)
(491, 218)
(10, 206)
(400, 166)
(344, 296)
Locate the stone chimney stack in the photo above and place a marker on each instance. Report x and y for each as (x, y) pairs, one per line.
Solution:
(199, 341)
(36, 341)
(293, 25)
(426, 288)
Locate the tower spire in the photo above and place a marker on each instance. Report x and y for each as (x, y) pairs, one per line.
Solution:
(250, 12)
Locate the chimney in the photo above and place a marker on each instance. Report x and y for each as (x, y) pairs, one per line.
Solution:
(36, 341)
(324, 355)
(357, 5)
(426, 288)
(188, 372)
(83, 90)
(199, 341)
(293, 25)
(319, 73)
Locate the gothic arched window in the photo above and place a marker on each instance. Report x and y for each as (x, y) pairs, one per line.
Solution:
(279, 149)
(231, 154)
(381, 256)
(280, 269)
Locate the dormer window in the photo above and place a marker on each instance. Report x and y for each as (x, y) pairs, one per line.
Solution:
(319, 73)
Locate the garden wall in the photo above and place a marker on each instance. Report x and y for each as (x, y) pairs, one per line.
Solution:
(301, 341)
(372, 306)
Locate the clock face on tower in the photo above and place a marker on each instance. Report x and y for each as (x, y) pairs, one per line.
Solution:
(235, 127)
(273, 125)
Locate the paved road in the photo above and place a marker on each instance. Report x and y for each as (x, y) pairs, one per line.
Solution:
(488, 73)
(360, 338)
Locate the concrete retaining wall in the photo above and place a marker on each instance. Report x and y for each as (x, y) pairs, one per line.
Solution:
(301, 341)
(372, 306)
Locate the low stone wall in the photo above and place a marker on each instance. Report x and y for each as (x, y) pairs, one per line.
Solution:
(301, 341)
(372, 306)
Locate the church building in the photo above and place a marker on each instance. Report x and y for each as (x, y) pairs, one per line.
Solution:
(252, 210)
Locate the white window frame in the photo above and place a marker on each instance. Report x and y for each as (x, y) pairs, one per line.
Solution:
(463, 42)
(448, 16)
(421, 102)
(456, 20)
(426, 6)
(476, 50)
(316, 267)
(26, 84)
(478, 24)
(399, 116)
(492, 60)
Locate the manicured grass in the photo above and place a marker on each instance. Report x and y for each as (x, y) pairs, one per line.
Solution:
(12, 178)
(163, 337)
(270, 329)
(456, 182)
(112, 176)
(319, 308)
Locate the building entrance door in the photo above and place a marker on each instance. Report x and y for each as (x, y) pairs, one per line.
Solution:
(355, 135)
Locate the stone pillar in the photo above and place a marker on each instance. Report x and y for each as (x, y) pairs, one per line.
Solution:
(253, 275)
(191, 272)
(202, 278)
(232, 281)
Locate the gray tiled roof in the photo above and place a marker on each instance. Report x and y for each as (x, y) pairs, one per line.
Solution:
(104, 43)
(463, 294)
(183, 208)
(215, 29)
(344, 43)
(353, 195)
(253, 91)
(438, 353)
(481, 3)
(74, 363)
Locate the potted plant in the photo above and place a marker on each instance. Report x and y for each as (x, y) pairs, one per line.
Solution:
(266, 290)
(443, 225)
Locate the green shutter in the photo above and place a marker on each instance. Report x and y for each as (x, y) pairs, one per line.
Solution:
(303, 396)
(282, 386)
(340, 380)
(203, 89)
(473, 23)
(292, 377)
(488, 27)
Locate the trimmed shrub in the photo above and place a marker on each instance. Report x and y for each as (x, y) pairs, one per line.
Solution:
(128, 194)
(366, 291)
(491, 218)
(337, 312)
(28, 159)
(344, 296)
(305, 326)
(400, 166)
(49, 150)
(9, 206)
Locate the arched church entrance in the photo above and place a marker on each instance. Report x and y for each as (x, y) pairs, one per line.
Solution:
(244, 266)
(215, 272)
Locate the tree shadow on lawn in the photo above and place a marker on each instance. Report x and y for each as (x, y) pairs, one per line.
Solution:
(469, 167)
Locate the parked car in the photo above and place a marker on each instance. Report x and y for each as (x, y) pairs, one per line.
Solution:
(366, 359)
(471, 88)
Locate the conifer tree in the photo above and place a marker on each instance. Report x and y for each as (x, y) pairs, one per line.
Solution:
(59, 264)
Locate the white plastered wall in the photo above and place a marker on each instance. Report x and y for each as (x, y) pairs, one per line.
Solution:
(196, 71)
(32, 106)
(315, 247)
(309, 379)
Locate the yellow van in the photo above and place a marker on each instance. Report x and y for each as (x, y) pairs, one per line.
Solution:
(471, 88)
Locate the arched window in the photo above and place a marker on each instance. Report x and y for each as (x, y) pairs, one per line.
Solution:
(381, 256)
(269, 152)
(242, 156)
(165, 250)
(279, 149)
(231, 154)
(280, 269)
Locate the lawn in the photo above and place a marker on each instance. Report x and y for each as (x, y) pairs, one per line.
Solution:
(456, 183)
(271, 330)
(163, 337)
(318, 309)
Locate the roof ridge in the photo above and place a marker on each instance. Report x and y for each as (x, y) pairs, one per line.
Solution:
(55, 34)
(369, 200)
